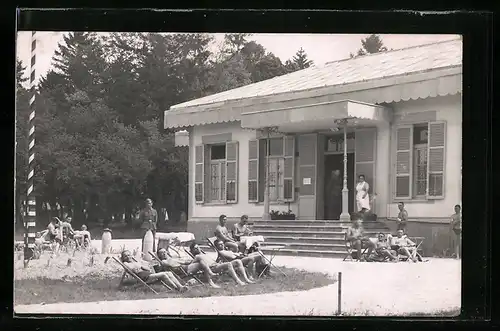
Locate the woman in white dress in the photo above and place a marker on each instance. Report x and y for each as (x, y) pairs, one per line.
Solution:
(362, 196)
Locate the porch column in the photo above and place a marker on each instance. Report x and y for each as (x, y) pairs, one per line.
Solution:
(344, 216)
(266, 216)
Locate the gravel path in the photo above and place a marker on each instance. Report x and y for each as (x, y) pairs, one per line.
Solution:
(367, 289)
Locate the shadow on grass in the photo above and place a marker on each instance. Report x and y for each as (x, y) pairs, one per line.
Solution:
(92, 288)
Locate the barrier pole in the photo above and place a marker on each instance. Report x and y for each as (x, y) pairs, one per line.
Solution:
(339, 304)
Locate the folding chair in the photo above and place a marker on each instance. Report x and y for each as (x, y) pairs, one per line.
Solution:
(176, 271)
(351, 250)
(128, 271)
(211, 244)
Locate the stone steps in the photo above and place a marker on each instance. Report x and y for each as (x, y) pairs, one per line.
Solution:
(309, 238)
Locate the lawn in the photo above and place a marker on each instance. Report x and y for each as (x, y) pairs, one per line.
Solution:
(51, 280)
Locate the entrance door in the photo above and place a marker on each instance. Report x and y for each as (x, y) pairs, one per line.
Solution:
(334, 184)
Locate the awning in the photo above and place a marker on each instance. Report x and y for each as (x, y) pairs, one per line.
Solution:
(326, 112)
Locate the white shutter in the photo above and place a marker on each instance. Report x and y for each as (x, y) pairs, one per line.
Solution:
(232, 172)
(199, 172)
(436, 160)
(404, 162)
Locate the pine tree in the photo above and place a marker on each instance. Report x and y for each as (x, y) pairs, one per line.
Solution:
(300, 60)
(370, 45)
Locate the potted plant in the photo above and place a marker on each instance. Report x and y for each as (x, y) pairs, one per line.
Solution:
(288, 215)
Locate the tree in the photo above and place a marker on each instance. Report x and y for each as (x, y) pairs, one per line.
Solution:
(21, 160)
(300, 60)
(370, 45)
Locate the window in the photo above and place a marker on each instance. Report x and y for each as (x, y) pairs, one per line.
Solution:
(420, 154)
(278, 155)
(216, 173)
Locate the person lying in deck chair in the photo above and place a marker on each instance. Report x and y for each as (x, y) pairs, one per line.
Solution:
(145, 273)
(404, 245)
(189, 266)
(222, 233)
(355, 234)
(250, 261)
(383, 249)
(228, 267)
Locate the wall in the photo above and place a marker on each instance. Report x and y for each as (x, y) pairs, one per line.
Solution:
(208, 211)
(449, 109)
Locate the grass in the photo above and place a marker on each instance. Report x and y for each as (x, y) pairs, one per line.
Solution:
(51, 280)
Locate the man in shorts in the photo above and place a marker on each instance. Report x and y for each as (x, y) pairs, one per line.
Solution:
(222, 234)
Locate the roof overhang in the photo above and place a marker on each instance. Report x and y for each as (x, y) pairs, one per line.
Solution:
(320, 114)
(439, 82)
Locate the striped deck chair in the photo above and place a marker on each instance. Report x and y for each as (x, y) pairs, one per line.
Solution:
(129, 272)
(179, 273)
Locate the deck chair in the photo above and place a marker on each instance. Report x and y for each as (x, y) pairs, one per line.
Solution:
(211, 244)
(351, 252)
(130, 272)
(177, 271)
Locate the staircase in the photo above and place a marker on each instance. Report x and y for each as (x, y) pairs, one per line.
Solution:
(310, 238)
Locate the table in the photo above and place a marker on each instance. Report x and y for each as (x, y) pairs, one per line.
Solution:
(274, 250)
(167, 240)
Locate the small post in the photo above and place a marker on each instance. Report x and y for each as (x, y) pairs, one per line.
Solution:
(339, 304)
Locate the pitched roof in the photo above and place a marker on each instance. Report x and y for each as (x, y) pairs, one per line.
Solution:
(369, 67)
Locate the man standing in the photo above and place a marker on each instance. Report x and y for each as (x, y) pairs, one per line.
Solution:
(149, 220)
(402, 217)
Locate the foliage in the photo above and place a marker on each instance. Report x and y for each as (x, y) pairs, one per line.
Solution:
(100, 145)
(370, 45)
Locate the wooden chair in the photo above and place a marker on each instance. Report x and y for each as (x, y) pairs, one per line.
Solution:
(179, 273)
(351, 253)
(130, 272)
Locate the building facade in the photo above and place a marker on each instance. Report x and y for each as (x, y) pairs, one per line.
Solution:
(394, 117)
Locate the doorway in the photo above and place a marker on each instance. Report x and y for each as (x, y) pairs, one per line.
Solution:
(334, 184)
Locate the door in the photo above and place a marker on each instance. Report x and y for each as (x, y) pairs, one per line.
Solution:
(334, 177)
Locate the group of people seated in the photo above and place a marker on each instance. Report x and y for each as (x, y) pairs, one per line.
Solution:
(241, 239)
(59, 232)
(382, 248)
(238, 255)
(241, 268)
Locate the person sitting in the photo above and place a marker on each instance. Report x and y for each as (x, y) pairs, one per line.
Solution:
(189, 266)
(53, 234)
(82, 237)
(145, 273)
(355, 235)
(404, 246)
(222, 233)
(383, 249)
(66, 228)
(228, 267)
(248, 261)
(244, 234)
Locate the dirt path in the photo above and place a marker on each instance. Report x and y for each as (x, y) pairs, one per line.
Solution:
(367, 288)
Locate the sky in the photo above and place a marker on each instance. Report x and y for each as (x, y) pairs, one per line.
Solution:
(320, 48)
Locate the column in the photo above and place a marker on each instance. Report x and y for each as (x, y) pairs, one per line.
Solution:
(266, 216)
(344, 216)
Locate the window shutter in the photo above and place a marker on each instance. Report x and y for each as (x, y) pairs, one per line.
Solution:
(253, 171)
(232, 172)
(435, 160)
(199, 173)
(289, 168)
(262, 172)
(404, 168)
(207, 173)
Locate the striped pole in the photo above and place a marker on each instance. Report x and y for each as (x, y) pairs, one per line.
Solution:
(29, 237)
